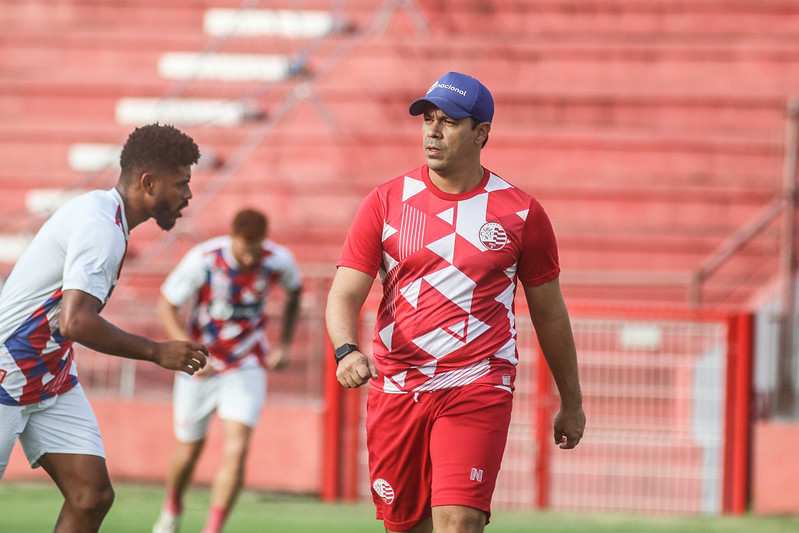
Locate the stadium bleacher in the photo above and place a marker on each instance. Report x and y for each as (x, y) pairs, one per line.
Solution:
(651, 131)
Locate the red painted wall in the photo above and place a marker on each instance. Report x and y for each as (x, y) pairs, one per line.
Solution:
(285, 454)
(775, 472)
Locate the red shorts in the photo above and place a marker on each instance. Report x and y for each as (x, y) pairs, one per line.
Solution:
(435, 448)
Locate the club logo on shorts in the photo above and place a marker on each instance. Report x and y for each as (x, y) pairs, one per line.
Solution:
(384, 490)
(493, 236)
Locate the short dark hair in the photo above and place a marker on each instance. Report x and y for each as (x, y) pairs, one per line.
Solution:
(250, 224)
(156, 147)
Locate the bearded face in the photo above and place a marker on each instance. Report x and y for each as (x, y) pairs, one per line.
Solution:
(171, 195)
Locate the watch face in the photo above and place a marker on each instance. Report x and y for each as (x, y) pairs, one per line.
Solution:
(345, 349)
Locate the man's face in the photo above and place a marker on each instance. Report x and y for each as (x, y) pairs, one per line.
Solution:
(448, 142)
(248, 254)
(172, 194)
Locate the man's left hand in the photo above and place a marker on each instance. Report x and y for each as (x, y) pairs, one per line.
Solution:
(569, 426)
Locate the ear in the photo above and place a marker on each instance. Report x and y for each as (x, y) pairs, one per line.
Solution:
(147, 181)
(481, 132)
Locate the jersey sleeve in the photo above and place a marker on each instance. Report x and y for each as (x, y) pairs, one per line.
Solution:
(185, 279)
(538, 262)
(93, 258)
(290, 277)
(363, 248)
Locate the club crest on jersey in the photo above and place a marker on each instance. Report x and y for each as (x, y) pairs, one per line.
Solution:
(384, 490)
(493, 236)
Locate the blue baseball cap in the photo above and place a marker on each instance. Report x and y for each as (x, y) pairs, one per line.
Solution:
(459, 96)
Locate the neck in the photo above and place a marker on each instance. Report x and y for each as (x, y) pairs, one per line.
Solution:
(457, 182)
(133, 214)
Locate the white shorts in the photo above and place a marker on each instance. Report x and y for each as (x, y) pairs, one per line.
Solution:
(236, 395)
(62, 424)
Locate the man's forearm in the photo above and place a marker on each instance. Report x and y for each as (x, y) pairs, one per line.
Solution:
(342, 322)
(102, 336)
(557, 344)
(291, 313)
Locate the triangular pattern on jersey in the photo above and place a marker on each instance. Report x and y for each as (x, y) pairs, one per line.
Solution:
(386, 334)
(411, 187)
(411, 292)
(495, 183)
(456, 286)
(389, 262)
(508, 352)
(506, 296)
(428, 369)
(388, 231)
(472, 217)
(447, 215)
(392, 387)
(441, 342)
(511, 272)
(444, 247)
(458, 329)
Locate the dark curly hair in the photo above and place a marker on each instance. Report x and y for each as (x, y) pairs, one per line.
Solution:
(156, 147)
(250, 224)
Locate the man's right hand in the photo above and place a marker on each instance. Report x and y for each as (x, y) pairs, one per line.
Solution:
(185, 356)
(355, 370)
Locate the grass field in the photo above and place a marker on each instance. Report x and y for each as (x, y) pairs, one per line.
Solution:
(33, 507)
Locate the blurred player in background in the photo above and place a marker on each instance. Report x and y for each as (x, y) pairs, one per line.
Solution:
(226, 282)
(53, 297)
(449, 240)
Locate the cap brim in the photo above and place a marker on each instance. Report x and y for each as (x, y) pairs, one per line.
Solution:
(450, 109)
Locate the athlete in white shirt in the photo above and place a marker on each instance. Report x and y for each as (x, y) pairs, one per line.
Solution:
(53, 297)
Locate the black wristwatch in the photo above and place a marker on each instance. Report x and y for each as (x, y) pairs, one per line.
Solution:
(344, 350)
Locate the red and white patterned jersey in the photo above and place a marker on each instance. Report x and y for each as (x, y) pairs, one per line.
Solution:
(449, 265)
(227, 305)
(81, 247)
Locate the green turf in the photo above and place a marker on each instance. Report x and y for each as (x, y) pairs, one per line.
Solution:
(32, 508)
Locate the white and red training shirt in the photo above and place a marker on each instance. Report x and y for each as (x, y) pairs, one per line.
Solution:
(81, 246)
(227, 305)
(449, 265)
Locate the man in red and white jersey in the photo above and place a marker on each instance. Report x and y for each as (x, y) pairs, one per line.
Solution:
(450, 241)
(53, 297)
(225, 282)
